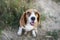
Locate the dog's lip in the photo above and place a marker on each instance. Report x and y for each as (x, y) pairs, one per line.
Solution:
(32, 23)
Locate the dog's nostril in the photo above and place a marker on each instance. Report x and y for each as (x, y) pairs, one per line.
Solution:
(33, 18)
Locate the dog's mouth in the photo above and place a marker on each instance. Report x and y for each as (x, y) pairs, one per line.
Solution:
(32, 23)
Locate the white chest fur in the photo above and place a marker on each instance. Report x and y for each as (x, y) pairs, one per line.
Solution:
(28, 27)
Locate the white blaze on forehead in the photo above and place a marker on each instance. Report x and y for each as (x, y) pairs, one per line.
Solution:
(33, 14)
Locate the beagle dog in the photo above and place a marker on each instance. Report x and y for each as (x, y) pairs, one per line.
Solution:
(30, 20)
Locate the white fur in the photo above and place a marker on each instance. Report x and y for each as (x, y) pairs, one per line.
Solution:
(19, 31)
(28, 26)
(34, 33)
(32, 15)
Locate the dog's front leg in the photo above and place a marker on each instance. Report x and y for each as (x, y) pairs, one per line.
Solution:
(19, 31)
(34, 33)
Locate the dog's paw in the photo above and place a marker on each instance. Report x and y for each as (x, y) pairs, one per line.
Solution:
(19, 33)
(34, 33)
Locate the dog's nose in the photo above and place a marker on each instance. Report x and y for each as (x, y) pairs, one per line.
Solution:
(33, 18)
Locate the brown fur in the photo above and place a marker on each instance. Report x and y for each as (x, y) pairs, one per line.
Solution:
(23, 19)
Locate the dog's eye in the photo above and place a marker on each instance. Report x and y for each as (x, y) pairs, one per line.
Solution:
(28, 13)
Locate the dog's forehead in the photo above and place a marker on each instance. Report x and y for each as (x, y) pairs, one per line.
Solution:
(31, 10)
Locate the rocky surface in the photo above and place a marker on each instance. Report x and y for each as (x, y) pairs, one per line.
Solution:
(52, 11)
(12, 35)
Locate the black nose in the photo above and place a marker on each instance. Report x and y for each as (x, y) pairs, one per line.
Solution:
(33, 18)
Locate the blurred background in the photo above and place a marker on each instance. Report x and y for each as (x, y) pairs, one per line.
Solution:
(11, 11)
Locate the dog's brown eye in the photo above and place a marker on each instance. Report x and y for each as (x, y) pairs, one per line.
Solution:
(28, 13)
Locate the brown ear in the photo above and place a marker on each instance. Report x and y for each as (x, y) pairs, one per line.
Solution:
(38, 19)
(23, 19)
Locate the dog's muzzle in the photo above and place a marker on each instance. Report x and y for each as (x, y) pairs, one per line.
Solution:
(32, 18)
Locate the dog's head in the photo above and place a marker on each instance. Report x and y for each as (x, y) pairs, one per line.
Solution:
(30, 16)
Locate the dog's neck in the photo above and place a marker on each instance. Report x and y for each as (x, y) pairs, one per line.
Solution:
(28, 27)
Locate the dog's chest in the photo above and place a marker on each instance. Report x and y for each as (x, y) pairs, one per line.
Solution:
(29, 27)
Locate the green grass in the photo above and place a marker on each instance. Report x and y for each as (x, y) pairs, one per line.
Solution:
(0, 33)
(43, 17)
(11, 11)
(54, 34)
(56, 1)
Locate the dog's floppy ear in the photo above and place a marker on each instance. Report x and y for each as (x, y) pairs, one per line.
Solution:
(23, 19)
(38, 18)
